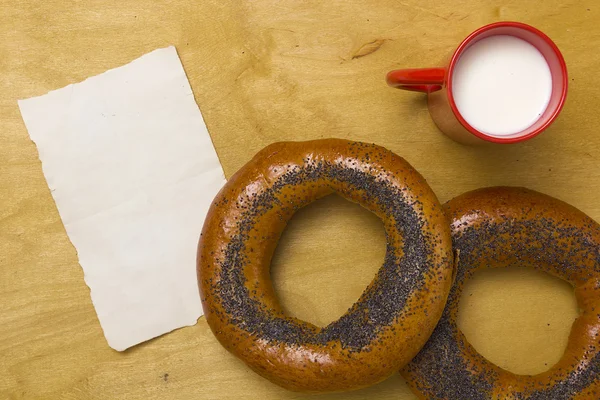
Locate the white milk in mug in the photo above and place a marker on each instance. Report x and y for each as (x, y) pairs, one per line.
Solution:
(501, 85)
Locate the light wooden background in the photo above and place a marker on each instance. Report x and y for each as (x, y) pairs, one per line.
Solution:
(265, 71)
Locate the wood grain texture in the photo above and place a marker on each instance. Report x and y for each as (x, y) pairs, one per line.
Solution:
(265, 71)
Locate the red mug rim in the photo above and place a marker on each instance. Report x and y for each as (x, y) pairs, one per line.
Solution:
(459, 51)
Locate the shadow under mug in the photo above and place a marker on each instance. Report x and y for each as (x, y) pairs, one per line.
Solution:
(437, 83)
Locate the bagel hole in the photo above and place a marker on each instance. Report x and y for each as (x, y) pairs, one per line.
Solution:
(518, 318)
(328, 254)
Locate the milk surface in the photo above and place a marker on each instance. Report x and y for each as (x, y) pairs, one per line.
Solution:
(501, 85)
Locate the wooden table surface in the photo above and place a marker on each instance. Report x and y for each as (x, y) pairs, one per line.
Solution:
(265, 71)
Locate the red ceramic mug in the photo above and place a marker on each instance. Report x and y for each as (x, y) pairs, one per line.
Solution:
(437, 83)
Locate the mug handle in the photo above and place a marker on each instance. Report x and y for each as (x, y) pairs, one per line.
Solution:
(425, 80)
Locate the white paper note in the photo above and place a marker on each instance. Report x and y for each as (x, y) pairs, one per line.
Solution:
(132, 170)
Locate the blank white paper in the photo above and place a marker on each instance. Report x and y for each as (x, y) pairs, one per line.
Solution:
(132, 169)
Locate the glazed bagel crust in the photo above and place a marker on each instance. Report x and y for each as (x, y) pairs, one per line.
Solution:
(500, 227)
(394, 316)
